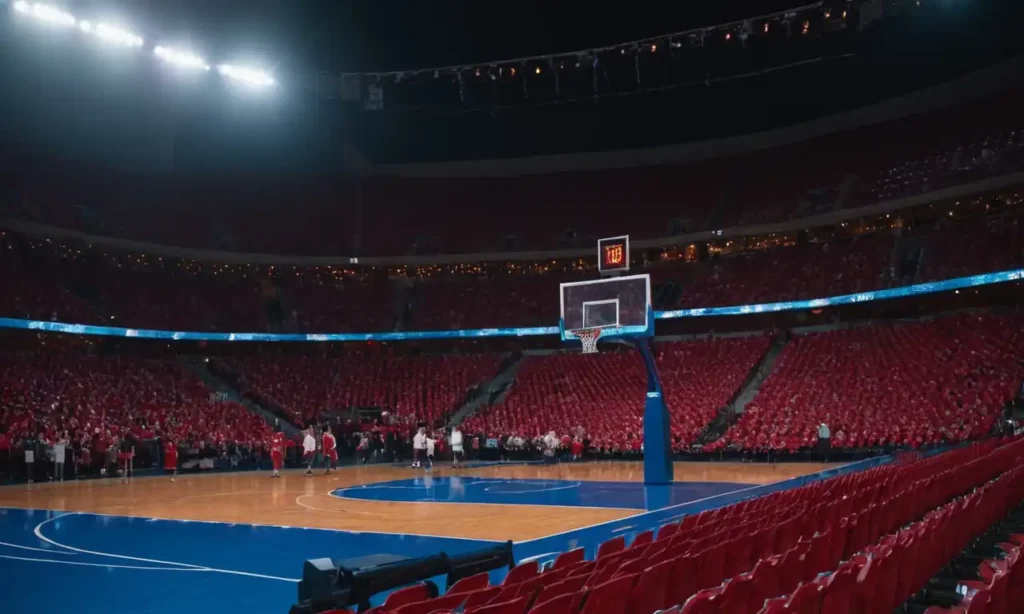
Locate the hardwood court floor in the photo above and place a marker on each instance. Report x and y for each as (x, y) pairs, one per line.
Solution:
(298, 501)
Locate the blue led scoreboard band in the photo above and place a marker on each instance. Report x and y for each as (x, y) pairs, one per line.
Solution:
(848, 299)
(534, 331)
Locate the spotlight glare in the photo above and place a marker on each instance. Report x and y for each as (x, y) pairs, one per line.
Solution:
(46, 13)
(117, 35)
(180, 58)
(248, 76)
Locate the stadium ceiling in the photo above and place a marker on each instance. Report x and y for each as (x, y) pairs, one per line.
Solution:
(359, 37)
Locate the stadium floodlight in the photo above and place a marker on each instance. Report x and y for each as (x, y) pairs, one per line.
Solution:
(248, 76)
(180, 58)
(45, 12)
(112, 34)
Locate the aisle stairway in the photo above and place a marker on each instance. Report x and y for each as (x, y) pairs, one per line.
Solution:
(493, 391)
(218, 384)
(728, 414)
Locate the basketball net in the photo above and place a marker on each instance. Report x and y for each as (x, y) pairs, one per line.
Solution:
(588, 337)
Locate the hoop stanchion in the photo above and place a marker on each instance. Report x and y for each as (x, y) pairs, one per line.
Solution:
(657, 441)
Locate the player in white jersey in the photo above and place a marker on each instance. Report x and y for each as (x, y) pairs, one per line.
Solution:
(457, 450)
(430, 452)
(309, 450)
(419, 445)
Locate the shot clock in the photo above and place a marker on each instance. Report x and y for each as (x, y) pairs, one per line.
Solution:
(613, 254)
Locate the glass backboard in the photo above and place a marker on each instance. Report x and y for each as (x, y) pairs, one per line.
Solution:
(619, 306)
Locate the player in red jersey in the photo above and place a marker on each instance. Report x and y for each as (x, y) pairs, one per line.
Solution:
(330, 446)
(277, 453)
(170, 458)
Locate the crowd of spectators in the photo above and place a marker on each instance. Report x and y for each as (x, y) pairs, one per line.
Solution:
(887, 385)
(412, 389)
(600, 397)
(92, 403)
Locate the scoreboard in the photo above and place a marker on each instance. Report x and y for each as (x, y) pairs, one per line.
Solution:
(613, 254)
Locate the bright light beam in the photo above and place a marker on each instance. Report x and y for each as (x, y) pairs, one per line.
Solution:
(112, 34)
(180, 58)
(43, 12)
(248, 76)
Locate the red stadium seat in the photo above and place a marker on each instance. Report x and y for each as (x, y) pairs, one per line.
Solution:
(566, 603)
(611, 597)
(472, 583)
(570, 557)
(521, 573)
(407, 595)
(444, 602)
(514, 606)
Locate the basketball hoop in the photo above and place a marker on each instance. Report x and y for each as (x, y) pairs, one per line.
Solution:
(588, 337)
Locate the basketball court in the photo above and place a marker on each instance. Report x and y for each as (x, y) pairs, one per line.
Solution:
(208, 542)
(238, 540)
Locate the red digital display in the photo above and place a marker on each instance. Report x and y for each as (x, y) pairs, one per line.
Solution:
(613, 254)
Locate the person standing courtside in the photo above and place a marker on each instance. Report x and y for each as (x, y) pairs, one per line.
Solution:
(824, 441)
(59, 454)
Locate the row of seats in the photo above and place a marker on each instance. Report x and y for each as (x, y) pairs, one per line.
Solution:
(603, 394)
(887, 385)
(999, 584)
(91, 401)
(881, 576)
(736, 558)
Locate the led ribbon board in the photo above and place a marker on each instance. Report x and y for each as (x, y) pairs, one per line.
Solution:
(848, 299)
(478, 333)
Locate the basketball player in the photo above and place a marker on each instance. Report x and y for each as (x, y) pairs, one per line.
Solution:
(277, 453)
(309, 450)
(125, 454)
(430, 452)
(330, 449)
(170, 458)
(550, 442)
(457, 450)
(419, 445)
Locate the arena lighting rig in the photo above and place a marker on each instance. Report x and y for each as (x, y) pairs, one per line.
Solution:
(117, 35)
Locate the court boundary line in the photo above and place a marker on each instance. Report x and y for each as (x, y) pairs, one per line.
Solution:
(84, 564)
(248, 524)
(51, 551)
(38, 531)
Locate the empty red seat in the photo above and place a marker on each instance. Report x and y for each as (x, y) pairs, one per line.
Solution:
(409, 594)
(611, 597)
(521, 573)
